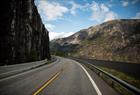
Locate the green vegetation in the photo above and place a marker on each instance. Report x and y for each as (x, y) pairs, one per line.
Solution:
(125, 77)
(129, 79)
(87, 42)
(57, 53)
(126, 58)
(63, 54)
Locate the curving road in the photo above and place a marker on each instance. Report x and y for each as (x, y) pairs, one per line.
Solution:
(63, 77)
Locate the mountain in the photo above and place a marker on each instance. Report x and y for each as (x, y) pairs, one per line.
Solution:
(116, 40)
(23, 36)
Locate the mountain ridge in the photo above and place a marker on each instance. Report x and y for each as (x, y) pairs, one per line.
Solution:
(115, 40)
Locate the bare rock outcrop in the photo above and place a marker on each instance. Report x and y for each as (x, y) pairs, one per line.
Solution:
(23, 36)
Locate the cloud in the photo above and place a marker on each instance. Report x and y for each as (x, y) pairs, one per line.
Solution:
(134, 1)
(50, 27)
(110, 16)
(125, 3)
(53, 10)
(100, 12)
(74, 7)
(109, 5)
(55, 35)
(137, 16)
(104, 8)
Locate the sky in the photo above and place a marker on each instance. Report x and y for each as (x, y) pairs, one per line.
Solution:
(63, 18)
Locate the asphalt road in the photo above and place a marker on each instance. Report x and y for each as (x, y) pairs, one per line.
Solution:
(64, 77)
(16, 67)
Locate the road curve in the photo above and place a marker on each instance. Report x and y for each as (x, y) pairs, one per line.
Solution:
(64, 77)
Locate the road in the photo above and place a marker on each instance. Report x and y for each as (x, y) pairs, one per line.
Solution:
(64, 77)
(16, 67)
(9, 70)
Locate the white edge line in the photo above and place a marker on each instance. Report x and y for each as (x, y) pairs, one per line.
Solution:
(91, 80)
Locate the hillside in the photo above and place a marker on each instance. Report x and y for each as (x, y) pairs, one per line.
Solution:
(23, 36)
(116, 40)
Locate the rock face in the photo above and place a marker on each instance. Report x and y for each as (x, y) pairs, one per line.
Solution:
(23, 36)
(117, 40)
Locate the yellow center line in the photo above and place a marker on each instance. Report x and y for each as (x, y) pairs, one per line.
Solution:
(48, 82)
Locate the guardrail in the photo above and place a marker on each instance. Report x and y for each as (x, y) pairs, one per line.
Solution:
(122, 83)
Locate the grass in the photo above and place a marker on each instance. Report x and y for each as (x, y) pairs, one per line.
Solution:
(125, 77)
(126, 58)
(49, 62)
(131, 80)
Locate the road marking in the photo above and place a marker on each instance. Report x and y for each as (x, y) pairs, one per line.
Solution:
(48, 82)
(91, 80)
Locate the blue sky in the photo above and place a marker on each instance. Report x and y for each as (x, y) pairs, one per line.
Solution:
(65, 17)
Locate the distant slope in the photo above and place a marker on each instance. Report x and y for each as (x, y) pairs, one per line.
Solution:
(117, 40)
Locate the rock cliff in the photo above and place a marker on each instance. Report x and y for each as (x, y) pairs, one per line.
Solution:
(23, 36)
